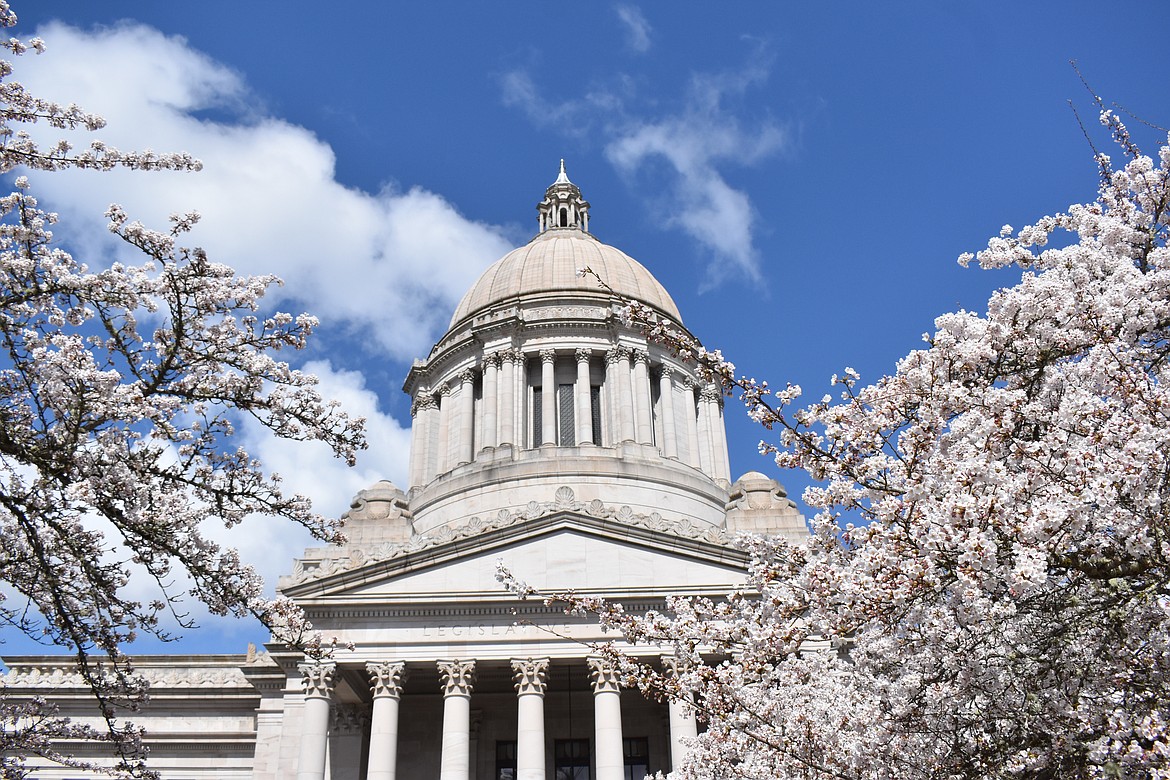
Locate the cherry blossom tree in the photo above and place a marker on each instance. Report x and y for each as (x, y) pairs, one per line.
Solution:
(989, 570)
(120, 390)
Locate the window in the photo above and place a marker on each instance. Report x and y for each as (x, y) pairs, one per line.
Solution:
(567, 435)
(505, 760)
(537, 417)
(571, 759)
(637, 755)
(595, 412)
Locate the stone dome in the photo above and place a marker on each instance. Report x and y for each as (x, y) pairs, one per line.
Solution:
(547, 267)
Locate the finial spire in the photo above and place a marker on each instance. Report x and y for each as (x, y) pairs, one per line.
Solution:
(563, 178)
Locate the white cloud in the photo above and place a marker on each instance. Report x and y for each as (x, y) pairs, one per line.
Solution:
(391, 265)
(698, 142)
(637, 28)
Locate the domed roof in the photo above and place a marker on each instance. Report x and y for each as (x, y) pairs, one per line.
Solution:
(548, 264)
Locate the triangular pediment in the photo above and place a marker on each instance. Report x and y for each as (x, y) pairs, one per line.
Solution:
(552, 554)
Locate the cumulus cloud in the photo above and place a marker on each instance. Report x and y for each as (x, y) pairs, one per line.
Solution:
(637, 28)
(390, 265)
(698, 141)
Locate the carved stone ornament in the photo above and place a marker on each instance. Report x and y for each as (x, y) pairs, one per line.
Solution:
(711, 393)
(641, 356)
(604, 676)
(386, 678)
(467, 376)
(672, 665)
(458, 677)
(348, 718)
(583, 355)
(530, 675)
(614, 354)
(548, 355)
(564, 500)
(492, 360)
(317, 679)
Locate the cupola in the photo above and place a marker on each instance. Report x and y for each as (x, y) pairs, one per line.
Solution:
(563, 207)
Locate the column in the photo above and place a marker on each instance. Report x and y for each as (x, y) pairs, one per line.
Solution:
(690, 414)
(530, 683)
(704, 424)
(607, 720)
(491, 368)
(507, 409)
(666, 397)
(443, 440)
(458, 678)
(584, 407)
(719, 439)
(417, 456)
(716, 437)
(422, 448)
(621, 367)
(386, 685)
(466, 450)
(548, 396)
(682, 719)
(645, 424)
(318, 681)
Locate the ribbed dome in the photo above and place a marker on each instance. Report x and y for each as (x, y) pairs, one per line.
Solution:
(548, 264)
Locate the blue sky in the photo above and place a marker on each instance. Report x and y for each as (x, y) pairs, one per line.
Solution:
(800, 176)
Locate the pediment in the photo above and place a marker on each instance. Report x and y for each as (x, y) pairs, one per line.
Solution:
(552, 554)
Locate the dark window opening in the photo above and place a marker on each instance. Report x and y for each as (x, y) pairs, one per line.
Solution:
(537, 417)
(636, 751)
(564, 217)
(571, 759)
(567, 434)
(505, 760)
(595, 413)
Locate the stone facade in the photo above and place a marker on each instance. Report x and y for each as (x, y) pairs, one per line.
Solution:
(547, 437)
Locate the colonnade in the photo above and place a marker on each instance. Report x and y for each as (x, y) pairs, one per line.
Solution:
(445, 432)
(457, 684)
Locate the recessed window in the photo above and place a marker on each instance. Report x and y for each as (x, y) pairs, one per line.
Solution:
(567, 435)
(571, 759)
(636, 752)
(505, 760)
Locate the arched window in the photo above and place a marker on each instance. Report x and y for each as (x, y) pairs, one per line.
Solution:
(564, 217)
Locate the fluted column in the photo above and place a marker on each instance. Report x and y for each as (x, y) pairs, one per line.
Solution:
(704, 422)
(584, 407)
(645, 423)
(458, 678)
(621, 366)
(666, 397)
(418, 421)
(507, 408)
(386, 686)
(719, 439)
(683, 725)
(491, 369)
(443, 440)
(690, 414)
(530, 677)
(466, 451)
(317, 679)
(548, 396)
(607, 720)
(710, 421)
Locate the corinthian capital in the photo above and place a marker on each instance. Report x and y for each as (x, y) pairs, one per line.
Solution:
(605, 677)
(458, 677)
(317, 678)
(386, 678)
(530, 675)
